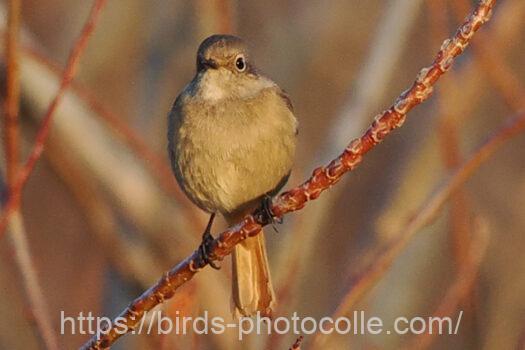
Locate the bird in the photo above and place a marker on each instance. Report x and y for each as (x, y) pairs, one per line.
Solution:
(232, 136)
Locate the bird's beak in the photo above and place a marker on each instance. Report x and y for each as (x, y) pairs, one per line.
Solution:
(209, 63)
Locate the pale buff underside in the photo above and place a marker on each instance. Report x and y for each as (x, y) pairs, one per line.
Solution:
(227, 152)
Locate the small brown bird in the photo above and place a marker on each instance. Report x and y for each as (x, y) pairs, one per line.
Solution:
(232, 137)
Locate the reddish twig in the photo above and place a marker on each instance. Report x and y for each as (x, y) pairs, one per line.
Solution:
(506, 82)
(297, 344)
(295, 199)
(11, 129)
(155, 162)
(38, 148)
(448, 132)
(156, 165)
(367, 279)
(368, 88)
(460, 217)
(462, 286)
(17, 233)
(388, 120)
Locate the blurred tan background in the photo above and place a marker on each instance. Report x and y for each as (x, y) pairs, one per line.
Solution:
(103, 224)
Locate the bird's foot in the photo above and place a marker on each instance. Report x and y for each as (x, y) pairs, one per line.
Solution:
(267, 214)
(205, 246)
(204, 251)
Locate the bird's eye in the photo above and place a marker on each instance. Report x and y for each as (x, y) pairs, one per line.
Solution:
(239, 63)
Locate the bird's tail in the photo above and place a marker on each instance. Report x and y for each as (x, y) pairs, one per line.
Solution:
(252, 285)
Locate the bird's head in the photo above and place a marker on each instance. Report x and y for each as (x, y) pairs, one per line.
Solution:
(224, 52)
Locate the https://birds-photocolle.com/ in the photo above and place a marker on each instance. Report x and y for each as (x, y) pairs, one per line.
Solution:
(231, 140)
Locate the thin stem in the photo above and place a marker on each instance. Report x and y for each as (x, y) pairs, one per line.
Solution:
(11, 131)
(17, 233)
(32, 287)
(297, 344)
(425, 215)
(38, 148)
(154, 163)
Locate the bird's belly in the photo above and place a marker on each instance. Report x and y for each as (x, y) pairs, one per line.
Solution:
(225, 179)
(227, 155)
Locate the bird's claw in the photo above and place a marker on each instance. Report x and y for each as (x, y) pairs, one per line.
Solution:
(204, 248)
(267, 214)
(204, 251)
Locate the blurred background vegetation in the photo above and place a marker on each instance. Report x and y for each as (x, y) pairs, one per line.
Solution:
(104, 217)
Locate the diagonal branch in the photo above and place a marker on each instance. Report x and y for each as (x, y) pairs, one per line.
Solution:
(427, 212)
(154, 163)
(322, 179)
(297, 344)
(38, 148)
(388, 120)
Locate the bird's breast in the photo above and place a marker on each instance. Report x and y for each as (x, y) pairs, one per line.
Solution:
(231, 153)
